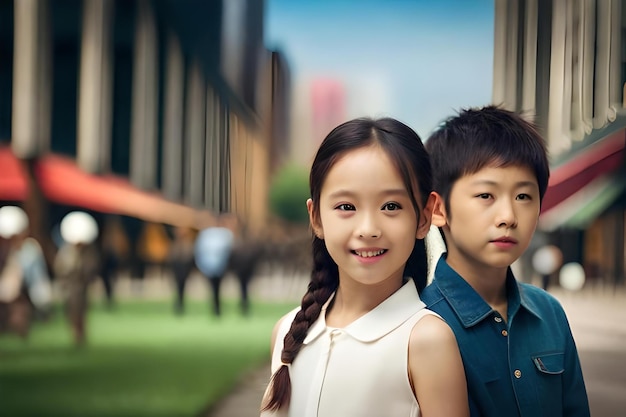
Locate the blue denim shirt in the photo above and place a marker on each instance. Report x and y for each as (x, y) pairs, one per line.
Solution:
(527, 366)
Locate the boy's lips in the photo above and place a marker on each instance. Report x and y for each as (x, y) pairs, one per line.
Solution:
(505, 239)
(504, 243)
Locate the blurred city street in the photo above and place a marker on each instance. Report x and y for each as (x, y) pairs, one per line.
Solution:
(130, 129)
(598, 321)
(597, 318)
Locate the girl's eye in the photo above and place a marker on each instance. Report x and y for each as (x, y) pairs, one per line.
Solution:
(345, 207)
(392, 206)
(484, 196)
(524, 197)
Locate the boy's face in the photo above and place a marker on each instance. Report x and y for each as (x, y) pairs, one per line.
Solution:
(492, 217)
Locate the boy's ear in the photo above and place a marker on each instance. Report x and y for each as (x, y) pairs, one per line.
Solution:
(316, 225)
(440, 217)
(425, 219)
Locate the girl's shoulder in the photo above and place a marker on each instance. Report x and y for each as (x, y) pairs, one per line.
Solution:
(430, 332)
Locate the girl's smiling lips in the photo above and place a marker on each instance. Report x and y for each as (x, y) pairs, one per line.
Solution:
(368, 252)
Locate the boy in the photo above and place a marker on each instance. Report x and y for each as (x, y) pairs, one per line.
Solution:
(491, 171)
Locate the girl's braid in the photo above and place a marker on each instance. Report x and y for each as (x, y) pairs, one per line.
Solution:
(324, 281)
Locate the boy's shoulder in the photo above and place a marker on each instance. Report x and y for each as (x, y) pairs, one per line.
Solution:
(534, 293)
(539, 300)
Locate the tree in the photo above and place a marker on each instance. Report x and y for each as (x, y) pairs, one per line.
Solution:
(288, 194)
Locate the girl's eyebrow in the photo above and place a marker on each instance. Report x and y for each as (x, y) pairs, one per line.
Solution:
(350, 193)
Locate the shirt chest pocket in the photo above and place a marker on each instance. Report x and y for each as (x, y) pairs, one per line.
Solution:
(550, 363)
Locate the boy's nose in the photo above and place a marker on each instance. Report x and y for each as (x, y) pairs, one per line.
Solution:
(506, 215)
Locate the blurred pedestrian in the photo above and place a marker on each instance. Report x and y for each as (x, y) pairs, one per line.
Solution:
(181, 263)
(246, 255)
(115, 255)
(212, 252)
(152, 249)
(36, 276)
(76, 265)
(25, 287)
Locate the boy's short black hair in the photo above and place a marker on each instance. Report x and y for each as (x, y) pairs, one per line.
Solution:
(477, 137)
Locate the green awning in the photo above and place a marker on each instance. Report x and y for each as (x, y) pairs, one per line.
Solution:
(597, 205)
(584, 206)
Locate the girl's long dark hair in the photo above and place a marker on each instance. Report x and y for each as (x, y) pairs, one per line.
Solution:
(406, 150)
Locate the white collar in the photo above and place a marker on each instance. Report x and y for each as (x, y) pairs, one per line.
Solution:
(383, 319)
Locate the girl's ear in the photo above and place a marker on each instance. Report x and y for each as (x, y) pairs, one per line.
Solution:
(316, 225)
(426, 217)
(440, 217)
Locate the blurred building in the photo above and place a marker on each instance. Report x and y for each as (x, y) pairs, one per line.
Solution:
(156, 109)
(328, 106)
(564, 63)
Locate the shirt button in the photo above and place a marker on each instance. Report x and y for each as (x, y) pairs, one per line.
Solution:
(505, 333)
(517, 373)
(498, 319)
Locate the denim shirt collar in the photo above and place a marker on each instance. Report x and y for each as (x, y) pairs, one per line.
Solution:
(468, 305)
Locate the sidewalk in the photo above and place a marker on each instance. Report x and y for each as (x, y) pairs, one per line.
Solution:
(245, 399)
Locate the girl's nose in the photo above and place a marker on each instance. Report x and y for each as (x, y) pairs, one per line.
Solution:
(368, 228)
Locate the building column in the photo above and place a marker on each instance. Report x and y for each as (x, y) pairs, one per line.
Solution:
(194, 136)
(214, 151)
(499, 48)
(586, 56)
(173, 121)
(31, 110)
(529, 65)
(603, 110)
(143, 147)
(95, 103)
(225, 139)
(568, 73)
(240, 197)
(556, 138)
(615, 61)
(506, 35)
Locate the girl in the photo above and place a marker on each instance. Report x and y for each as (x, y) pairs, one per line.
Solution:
(362, 343)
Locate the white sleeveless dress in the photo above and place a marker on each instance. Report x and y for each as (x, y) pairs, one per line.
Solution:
(360, 370)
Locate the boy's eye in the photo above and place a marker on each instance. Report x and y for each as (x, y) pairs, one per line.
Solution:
(345, 207)
(391, 206)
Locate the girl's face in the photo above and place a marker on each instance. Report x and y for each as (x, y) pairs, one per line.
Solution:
(366, 217)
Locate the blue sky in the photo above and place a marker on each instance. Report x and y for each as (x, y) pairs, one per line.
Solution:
(421, 59)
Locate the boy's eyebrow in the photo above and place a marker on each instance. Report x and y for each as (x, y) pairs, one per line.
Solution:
(492, 182)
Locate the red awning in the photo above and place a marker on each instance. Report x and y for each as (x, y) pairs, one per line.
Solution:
(13, 185)
(603, 157)
(63, 182)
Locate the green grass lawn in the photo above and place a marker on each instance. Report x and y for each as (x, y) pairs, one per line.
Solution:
(140, 360)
